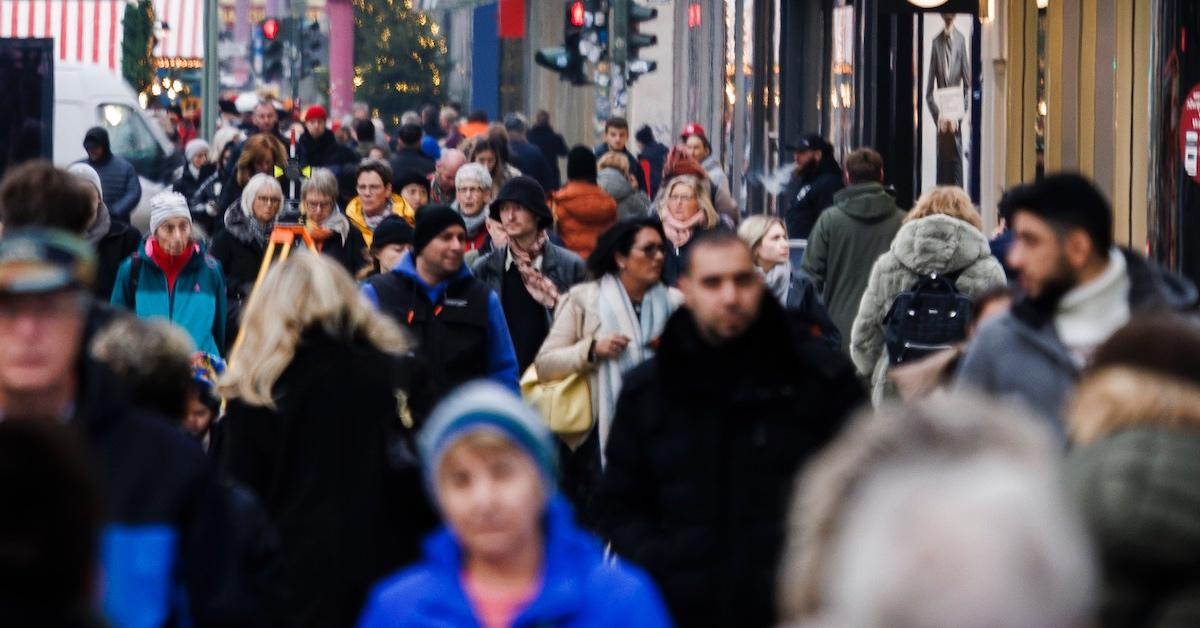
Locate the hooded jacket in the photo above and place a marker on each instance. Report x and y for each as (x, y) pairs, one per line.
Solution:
(1136, 476)
(1020, 356)
(843, 246)
(197, 303)
(631, 203)
(354, 213)
(118, 179)
(582, 211)
(933, 244)
(580, 587)
(703, 452)
(808, 194)
(458, 323)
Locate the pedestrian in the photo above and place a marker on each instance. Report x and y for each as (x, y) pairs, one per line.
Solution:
(265, 121)
(197, 167)
(551, 143)
(113, 240)
(316, 457)
(1078, 288)
(1135, 430)
(376, 199)
(429, 123)
(768, 240)
(810, 190)
(441, 189)
(616, 136)
(408, 155)
(686, 210)
(493, 156)
(364, 134)
(701, 150)
(317, 147)
(448, 120)
(510, 553)
(679, 162)
(475, 125)
(242, 245)
(941, 486)
(529, 273)
(652, 155)
(118, 179)
(582, 210)
(172, 276)
(457, 320)
(845, 242)
(708, 436)
(164, 518)
(204, 200)
(942, 234)
(327, 225)
(615, 178)
(473, 187)
(413, 187)
(604, 328)
(261, 154)
(153, 359)
(393, 239)
(525, 156)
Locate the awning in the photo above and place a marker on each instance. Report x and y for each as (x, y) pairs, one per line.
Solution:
(84, 31)
(184, 36)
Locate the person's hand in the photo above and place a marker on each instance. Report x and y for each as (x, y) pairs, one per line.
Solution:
(632, 180)
(610, 346)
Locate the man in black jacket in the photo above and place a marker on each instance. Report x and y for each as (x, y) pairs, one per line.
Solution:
(525, 156)
(709, 435)
(551, 143)
(814, 181)
(408, 155)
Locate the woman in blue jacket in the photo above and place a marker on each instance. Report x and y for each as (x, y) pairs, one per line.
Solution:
(171, 276)
(510, 554)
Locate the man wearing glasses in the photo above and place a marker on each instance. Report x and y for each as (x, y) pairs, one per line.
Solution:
(473, 189)
(375, 200)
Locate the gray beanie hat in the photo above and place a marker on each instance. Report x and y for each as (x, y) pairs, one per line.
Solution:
(167, 205)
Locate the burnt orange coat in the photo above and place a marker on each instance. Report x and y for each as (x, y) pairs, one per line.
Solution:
(582, 212)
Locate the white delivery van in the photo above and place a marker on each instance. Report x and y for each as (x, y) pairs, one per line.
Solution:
(86, 96)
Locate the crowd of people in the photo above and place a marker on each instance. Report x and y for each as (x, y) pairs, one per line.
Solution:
(487, 394)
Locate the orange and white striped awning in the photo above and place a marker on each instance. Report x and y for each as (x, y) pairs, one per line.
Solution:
(84, 31)
(184, 37)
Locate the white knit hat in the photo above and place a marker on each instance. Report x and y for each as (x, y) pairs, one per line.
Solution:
(167, 205)
(87, 173)
(195, 146)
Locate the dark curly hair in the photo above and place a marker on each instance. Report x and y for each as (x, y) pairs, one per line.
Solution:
(618, 239)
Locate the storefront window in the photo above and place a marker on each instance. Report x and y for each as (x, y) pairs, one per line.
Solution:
(841, 88)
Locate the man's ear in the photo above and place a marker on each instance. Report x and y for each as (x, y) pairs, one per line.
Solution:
(1078, 248)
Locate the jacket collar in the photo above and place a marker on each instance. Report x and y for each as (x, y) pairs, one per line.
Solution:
(408, 268)
(1120, 397)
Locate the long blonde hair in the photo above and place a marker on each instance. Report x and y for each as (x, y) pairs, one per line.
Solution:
(304, 291)
(948, 200)
(754, 228)
(703, 197)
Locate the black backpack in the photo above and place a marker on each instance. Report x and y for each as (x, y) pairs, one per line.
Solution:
(928, 317)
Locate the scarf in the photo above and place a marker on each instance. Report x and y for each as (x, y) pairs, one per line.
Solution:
(259, 231)
(474, 223)
(617, 316)
(171, 265)
(680, 231)
(536, 284)
(336, 223)
(779, 281)
(99, 227)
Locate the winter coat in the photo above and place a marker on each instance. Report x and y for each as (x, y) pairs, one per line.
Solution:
(631, 203)
(933, 244)
(118, 179)
(1019, 356)
(703, 453)
(188, 183)
(844, 245)
(411, 160)
(346, 245)
(240, 255)
(802, 297)
(582, 211)
(529, 160)
(114, 247)
(806, 196)
(458, 324)
(722, 199)
(580, 587)
(197, 304)
(559, 265)
(354, 213)
(318, 463)
(637, 172)
(323, 152)
(552, 146)
(1136, 477)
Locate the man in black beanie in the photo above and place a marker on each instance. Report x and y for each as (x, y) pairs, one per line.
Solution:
(457, 320)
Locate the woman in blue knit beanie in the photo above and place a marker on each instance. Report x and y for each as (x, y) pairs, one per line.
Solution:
(510, 553)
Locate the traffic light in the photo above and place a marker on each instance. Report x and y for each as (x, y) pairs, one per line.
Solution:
(312, 46)
(568, 60)
(627, 16)
(272, 52)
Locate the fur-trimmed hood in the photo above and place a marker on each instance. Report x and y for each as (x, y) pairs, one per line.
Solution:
(1121, 397)
(939, 243)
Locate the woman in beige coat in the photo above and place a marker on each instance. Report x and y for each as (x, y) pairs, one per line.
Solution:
(605, 327)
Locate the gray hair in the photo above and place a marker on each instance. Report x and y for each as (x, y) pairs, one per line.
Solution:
(410, 117)
(988, 542)
(320, 181)
(515, 122)
(448, 115)
(473, 172)
(255, 185)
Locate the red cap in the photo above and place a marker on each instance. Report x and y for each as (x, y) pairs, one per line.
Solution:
(314, 112)
(692, 128)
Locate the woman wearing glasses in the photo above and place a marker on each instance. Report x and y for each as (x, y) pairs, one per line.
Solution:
(605, 327)
(241, 246)
(686, 209)
(330, 229)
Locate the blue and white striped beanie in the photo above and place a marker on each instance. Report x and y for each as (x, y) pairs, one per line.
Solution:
(485, 405)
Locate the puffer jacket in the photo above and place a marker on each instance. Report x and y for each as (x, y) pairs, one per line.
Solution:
(397, 205)
(582, 212)
(631, 203)
(933, 244)
(1135, 471)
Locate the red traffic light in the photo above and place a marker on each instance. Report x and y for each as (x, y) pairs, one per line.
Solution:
(576, 12)
(270, 28)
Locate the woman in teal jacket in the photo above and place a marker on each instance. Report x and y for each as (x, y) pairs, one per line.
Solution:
(171, 276)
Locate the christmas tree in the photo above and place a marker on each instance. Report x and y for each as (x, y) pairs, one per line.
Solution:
(398, 53)
(137, 45)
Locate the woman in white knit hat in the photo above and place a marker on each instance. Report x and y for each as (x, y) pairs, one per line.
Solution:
(171, 276)
(114, 240)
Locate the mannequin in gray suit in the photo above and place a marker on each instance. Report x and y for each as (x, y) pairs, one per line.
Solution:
(948, 66)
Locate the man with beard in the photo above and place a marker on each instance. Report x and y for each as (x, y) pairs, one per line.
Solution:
(816, 178)
(1078, 288)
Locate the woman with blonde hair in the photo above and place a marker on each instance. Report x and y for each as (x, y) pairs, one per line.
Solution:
(316, 399)
(259, 155)
(685, 209)
(616, 179)
(940, 235)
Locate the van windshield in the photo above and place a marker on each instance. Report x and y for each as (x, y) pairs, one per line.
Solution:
(131, 138)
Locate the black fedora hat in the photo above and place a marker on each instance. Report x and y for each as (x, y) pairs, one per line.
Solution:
(526, 192)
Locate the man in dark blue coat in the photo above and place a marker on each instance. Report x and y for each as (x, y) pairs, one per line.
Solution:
(525, 156)
(816, 178)
(122, 189)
